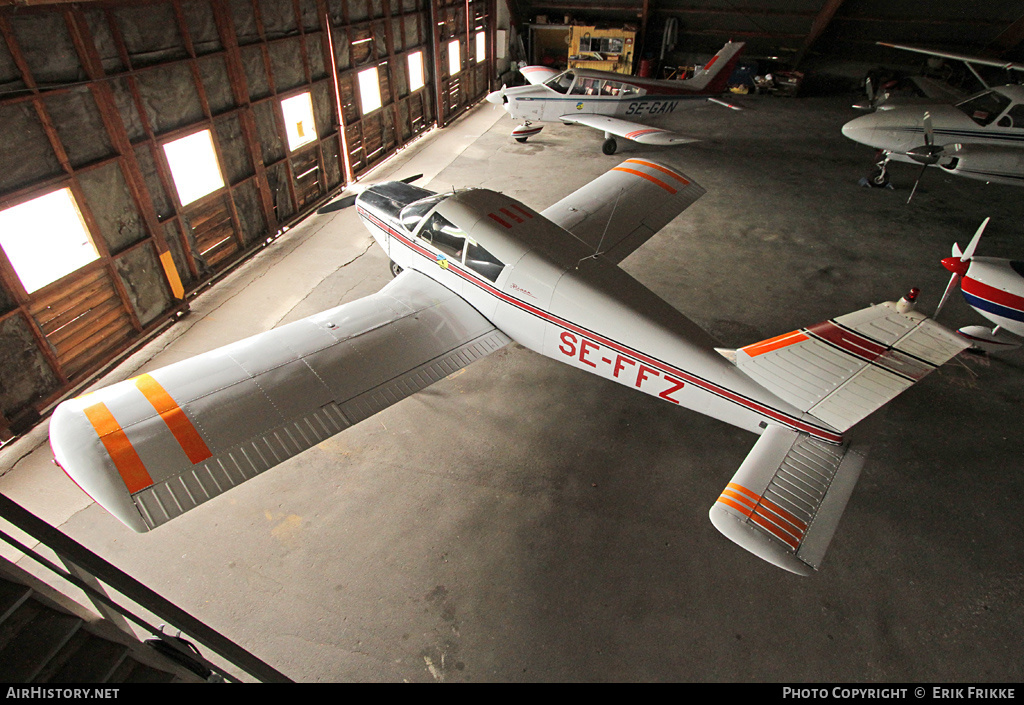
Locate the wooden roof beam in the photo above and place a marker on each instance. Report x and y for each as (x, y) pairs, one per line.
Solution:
(821, 22)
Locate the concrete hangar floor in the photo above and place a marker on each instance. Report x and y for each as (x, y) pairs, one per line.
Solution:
(524, 521)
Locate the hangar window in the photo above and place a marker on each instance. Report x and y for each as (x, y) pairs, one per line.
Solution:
(984, 107)
(454, 57)
(481, 46)
(415, 71)
(298, 120)
(194, 166)
(46, 239)
(369, 90)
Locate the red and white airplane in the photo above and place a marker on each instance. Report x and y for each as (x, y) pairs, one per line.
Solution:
(612, 102)
(992, 286)
(476, 270)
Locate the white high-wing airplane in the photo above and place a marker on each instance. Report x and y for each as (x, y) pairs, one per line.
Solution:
(476, 270)
(613, 102)
(981, 137)
(992, 286)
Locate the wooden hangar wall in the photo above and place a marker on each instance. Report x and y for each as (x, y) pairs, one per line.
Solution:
(90, 95)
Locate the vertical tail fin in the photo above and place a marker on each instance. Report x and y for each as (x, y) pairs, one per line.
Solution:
(713, 77)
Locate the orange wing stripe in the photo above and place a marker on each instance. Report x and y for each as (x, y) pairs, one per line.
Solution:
(126, 460)
(660, 168)
(779, 341)
(650, 178)
(181, 428)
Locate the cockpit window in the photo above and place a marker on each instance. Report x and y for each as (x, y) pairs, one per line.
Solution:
(561, 82)
(483, 262)
(1014, 117)
(445, 236)
(413, 213)
(984, 107)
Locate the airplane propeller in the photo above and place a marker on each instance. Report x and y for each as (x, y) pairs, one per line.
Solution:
(958, 264)
(346, 201)
(929, 153)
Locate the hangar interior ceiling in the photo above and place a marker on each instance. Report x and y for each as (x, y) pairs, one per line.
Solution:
(96, 96)
(96, 100)
(796, 31)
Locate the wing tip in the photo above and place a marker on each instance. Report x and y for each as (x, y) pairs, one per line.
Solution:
(741, 533)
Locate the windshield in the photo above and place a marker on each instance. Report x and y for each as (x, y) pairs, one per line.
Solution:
(561, 82)
(413, 213)
(984, 107)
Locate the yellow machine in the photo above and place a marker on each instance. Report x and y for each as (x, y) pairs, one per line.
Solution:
(601, 49)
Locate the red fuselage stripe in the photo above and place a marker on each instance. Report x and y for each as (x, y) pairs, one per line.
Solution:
(658, 364)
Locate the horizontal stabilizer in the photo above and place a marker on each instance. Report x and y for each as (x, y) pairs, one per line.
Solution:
(621, 209)
(785, 501)
(843, 369)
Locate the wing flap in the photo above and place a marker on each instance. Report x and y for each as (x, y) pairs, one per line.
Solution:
(151, 448)
(786, 499)
(842, 370)
(621, 209)
(644, 134)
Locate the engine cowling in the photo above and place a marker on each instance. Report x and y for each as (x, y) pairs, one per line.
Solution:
(995, 164)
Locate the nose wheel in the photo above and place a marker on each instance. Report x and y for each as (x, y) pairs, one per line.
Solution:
(879, 178)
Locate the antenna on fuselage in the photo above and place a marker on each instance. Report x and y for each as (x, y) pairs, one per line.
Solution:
(600, 242)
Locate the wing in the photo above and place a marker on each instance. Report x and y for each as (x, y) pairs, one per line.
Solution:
(843, 369)
(784, 503)
(644, 134)
(538, 74)
(153, 447)
(998, 63)
(621, 209)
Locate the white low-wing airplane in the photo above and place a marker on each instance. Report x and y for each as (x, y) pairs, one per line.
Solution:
(981, 137)
(477, 270)
(614, 103)
(992, 286)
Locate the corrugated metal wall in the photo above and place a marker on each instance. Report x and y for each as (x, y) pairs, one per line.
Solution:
(89, 95)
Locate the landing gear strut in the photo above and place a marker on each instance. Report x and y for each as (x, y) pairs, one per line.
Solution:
(879, 178)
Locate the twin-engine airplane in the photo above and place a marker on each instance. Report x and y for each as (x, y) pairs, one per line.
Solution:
(992, 286)
(614, 103)
(981, 137)
(477, 270)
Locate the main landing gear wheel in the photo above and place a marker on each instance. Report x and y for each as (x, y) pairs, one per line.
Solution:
(609, 146)
(521, 139)
(395, 269)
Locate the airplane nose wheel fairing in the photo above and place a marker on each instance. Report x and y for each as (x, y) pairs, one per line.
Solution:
(524, 132)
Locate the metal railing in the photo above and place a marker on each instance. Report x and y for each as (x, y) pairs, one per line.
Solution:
(85, 568)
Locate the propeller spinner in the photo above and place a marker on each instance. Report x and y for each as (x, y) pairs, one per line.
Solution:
(959, 263)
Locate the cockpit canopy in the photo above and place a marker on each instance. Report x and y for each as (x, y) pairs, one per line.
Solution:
(447, 238)
(570, 83)
(988, 105)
